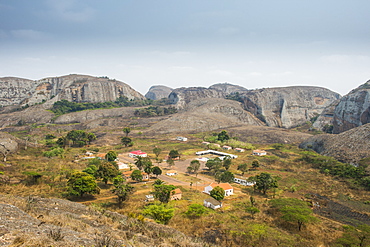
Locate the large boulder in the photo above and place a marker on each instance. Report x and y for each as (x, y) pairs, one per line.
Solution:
(158, 92)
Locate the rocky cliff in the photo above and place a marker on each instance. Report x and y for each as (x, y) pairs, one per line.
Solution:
(76, 88)
(288, 106)
(183, 96)
(158, 92)
(350, 146)
(353, 109)
(228, 88)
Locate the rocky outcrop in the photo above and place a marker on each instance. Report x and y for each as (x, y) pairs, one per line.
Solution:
(76, 88)
(8, 145)
(288, 106)
(158, 92)
(205, 115)
(180, 97)
(326, 117)
(228, 88)
(353, 109)
(355, 147)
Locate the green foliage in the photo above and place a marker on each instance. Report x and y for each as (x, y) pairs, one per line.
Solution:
(126, 130)
(194, 166)
(64, 106)
(121, 189)
(137, 175)
(223, 136)
(252, 210)
(163, 192)
(239, 144)
(107, 171)
(148, 167)
(264, 182)
(243, 168)
(142, 162)
(235, 96)
(195, 210)
(157, 171)
(255, 164)
(218, 193)
(79, 138)
(355, 236)
(33, 177)
(153, 111)
(91, 169)
(214, 165)
(226, 162)
(81, 183)
(54, 152)
(127, 141)
(158, 182)
(50, 136)
(227, 177)
(157, 151)
(161, 213)
(173, 154)
(277, 146)
(111, 156)
(294, 210)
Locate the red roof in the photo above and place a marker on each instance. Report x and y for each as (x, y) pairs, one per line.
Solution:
(137, 152)
(225, 186)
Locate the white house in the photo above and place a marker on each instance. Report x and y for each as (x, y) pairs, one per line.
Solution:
(229, 190)
(243, 181)
(227, 147)
(181, 138)
(137, 153)
(221, 154)
(171, 173)
(240, 150)
(259, 152)
(212, 203)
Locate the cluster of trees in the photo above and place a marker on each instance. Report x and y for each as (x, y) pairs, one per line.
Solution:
(224, 138)
(79, 138)
(219, 168)
(329, 165)
(153, 111)
(65, 106)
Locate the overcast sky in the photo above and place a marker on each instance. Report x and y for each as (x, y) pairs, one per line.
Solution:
(254, 44)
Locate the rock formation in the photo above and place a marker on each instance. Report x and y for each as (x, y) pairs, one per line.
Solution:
(288, 106)
(76, 88)
(228, 88)
(158, 92)
(350, 146)
(183, 96)
(8, 144)
(353, 109)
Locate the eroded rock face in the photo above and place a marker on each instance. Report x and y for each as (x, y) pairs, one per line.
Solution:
(158, 92)
(8, 144)
(76, 88)
(228, 88)
(355, 147)
(183, 96)
(353, 109)
(288, 106)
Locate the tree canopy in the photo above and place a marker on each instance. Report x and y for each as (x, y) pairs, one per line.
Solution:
(81, 183)
(264, 182)
(218, 193)
(161, 213)
(107, 171)
(163, 192)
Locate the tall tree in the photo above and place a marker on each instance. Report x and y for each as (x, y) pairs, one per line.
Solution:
(126, 130)
(218, 193)
(81, 183)
(173, 154)
(195, 165)
(121, 189)
(157, 151)
(243, 168)
(161, 213)
(170, 162)
(127, 141)
(148, 167)
(264, 182)
(163, 192)
(111, 156)
(137, 175)
(107, 171)
(223, 136)
(294, 210)
(255, 164)
(227, 177)
(226, 163)
(157, 171)
(141, 162)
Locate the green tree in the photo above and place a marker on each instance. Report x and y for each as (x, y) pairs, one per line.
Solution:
(243, 168)
(173, 154)
(107, 171)
(142, 162)
(81, 183)
(223, 136)
(157, 151)
(163, 192)
(195, 210)
(264, 182)
(33, 177)
(226, 163)
(148, 167)
(137, 175)
(355, 236)
(121, 189)
(127, 141)
(126, 130)
(214, 165)
(161, 213)
(227, 177)
(158, 182)
(111, 156)
(294, 210)
(79, 138)
(195, 165)
(255, 164)
(170, 162)
(218, 193)
(157, 171)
